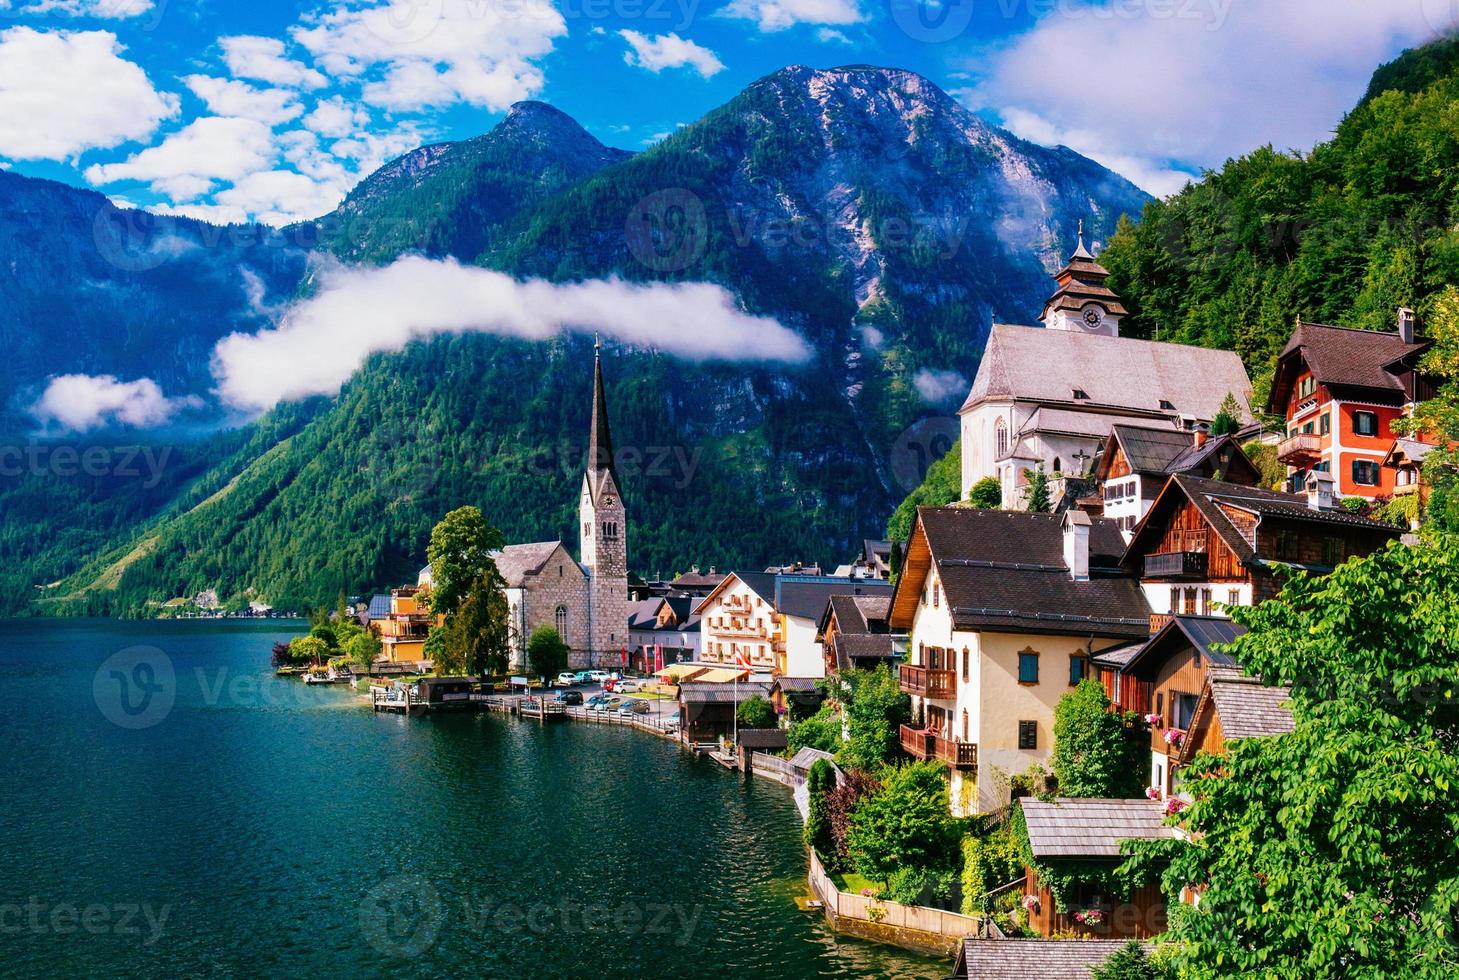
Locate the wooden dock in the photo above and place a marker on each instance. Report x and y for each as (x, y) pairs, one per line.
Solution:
(393, 701)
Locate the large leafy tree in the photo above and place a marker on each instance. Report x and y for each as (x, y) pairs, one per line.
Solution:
(906, 824)
(1333, 851)
(476, 639)
(1439, 416)
(1097, 752)
(460, 556)
(875, 708)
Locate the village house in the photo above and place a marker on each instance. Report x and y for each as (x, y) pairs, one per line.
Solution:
(875, 561)
(1136, 462)
(1074, 835)
(404, 626)
(1003, 611)
(1205, 543)
(586, 601)
(1233, 705)
(767, 621)
(854, 634)
(707, 708)
(1049, 397)
(1340, 391)
(662, 631)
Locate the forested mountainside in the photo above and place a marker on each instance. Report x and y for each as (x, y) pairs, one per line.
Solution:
(862, 207)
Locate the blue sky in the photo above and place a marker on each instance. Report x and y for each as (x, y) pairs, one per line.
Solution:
(273, 110)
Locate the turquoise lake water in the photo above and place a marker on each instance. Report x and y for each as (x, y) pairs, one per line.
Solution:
(169, 808)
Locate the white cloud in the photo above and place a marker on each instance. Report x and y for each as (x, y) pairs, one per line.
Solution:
(410, 55)
(1195, 83)
(262, 59)
(335, 117)
(1155, 177)
(187, 163)
(323, 340)
(829, 35)
(280, 197)
(777, 15)
(937, 386)
(669, 51)
(226, 97)
(64, 92)
(100, 9)
(80, 402)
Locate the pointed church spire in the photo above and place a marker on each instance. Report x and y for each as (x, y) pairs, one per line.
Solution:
(1081, 252)
(600, 440)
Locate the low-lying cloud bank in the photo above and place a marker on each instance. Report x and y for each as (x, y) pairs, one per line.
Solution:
(82, 402)
(321, 341)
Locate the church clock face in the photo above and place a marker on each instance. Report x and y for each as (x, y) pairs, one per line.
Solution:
(1093, 317)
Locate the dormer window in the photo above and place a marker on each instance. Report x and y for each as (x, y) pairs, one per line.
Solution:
(1081, 395)
(1166, 405)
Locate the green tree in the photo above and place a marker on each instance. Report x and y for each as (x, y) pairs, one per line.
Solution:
(1038, 490)
(460, 557)
(324, 632)
(821, 730)
(476, 637)
(986, 494)
(1097, 752)
(1228, 417)
(906, 824)
(309, 650)
(1331, 851)
(1439, 416)
(362, 648)
(546, 652)
(819, 782)
(875, 708)
(756, 712)
(1129, 962)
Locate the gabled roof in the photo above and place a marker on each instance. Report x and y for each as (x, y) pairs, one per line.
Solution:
(1182, 632)
(859, 613)
(760, 583)
(863, 646)
(1033, 364)
(1407, 451)
(1248, 708)
(379, 607)
(806, 596)
(1005, 571)
(1022, 959)
(1210, 497)
(695, 692)
(1341, 357)
(516, 562)
(1150, 451)
(1117, 657)
(1078, 828)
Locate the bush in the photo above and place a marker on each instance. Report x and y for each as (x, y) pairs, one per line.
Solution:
(989, 861)
(921, 886)
(905, 824)
(875, 707)
(986, 494)
(1097, 753)
(1129, 962)
(546, 652)
(819, 783)
(821, 730)
(756, 712)
(841, 804)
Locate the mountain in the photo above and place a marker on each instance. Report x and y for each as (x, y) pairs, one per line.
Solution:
(863, 207)
(450, 198)
(95, 289)
(1345, 234)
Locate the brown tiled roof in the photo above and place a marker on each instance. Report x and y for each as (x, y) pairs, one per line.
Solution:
(517, 561)
(862, 646)
(1342, 357)
(1078, 828)
(861, 613)
(1005, 570)
(1033, 959)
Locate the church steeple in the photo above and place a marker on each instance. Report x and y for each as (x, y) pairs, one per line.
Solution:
(1082, 302)
(600, 438)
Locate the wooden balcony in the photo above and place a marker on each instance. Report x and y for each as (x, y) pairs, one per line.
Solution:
(928, 683)
(921, 744)
(1299, 450)
(1176, 564)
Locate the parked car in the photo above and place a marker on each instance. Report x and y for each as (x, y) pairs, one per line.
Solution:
(609, 703)
(569, 697)
(627, 685)
(583, 677)
(630, 707)
(599, 676)
(593, 702)
(566, 679)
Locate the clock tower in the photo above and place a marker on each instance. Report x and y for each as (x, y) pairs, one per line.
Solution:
(604, 543)
(1083, 303)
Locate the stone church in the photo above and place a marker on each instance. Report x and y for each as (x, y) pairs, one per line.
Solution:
(587, 600)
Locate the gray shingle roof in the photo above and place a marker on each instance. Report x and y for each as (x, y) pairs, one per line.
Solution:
(862, 646)
(1071, 828)
(1005, 570)
(1033, 959)
(806, 596)
(713, 693)
(1027, 959)
(1151, 450)
(517, 561)
(1249, 709)
(1181, 632)
(1046, 365)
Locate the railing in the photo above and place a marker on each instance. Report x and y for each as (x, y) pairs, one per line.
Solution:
(922, 744)
(1303, 446)
(927, 682)
(1176, 564)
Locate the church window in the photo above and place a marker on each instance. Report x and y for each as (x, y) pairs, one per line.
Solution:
(561, 618)
(1000, 437)
(1058, 465)
(587, 529)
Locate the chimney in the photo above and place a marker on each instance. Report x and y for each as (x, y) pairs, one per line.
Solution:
(1203, 432)
(1405, 324)
(1319, 491)
(1076, 526)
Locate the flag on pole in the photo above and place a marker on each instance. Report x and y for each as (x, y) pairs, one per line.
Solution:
(658, 658)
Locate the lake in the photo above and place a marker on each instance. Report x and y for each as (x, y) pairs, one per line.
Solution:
(169, 807)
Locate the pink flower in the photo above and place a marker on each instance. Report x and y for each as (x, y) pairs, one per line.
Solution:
(869, 892)
(1152, 792)
(1152, 719)
(1174, 736)
(1174, 805)
(1030, 903)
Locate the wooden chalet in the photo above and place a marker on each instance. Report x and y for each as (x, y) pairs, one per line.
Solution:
(1137, 461)
(854, 633)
